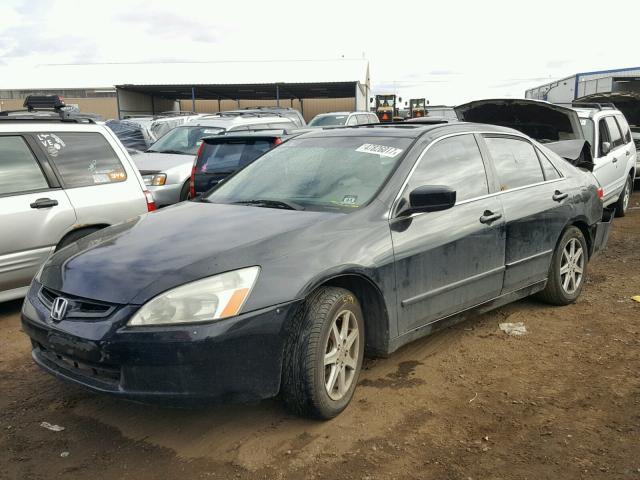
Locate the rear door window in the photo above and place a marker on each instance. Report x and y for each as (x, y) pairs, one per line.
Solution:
(363, 119)
(19, 170)
(229, 157)
(516, 162)
(82, 159)
(614, 132)
(550, 172)
(456, 163)
(352, 120)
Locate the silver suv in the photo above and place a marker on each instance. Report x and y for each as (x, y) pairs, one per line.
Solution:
(62, 177)
(166, 166)
(613, 149)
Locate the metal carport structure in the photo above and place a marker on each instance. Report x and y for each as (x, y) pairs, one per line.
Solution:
(159, 88)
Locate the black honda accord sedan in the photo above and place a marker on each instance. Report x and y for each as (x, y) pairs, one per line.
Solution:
(334, 245)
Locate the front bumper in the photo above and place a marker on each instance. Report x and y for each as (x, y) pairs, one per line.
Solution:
(233, 359)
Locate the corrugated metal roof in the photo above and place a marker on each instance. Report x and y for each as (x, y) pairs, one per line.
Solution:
(106, 75)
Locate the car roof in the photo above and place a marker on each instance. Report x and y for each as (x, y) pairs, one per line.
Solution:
(225, 119)
(408, 130)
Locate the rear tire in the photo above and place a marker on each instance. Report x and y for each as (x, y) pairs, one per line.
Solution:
(568, 269)
(323, 355)
(625, 198)
(75, 235)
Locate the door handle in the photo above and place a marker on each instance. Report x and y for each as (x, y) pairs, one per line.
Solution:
(558, 196)
(44, 203)
(614, 160)
(488, 216)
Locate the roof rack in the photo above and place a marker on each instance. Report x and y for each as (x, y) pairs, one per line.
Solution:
(597, 106)
(46, 108)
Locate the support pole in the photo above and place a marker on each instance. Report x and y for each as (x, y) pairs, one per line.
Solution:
(219, 105)
(277, 95)
(193, 99)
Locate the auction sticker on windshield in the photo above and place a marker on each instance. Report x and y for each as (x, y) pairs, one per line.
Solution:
(382, 150)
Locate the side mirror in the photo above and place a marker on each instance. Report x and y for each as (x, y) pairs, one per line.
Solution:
(371, 100)
(399, 99)
(605, 147)
(431, 198)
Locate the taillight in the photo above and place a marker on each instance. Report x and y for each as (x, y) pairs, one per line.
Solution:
(600, 193)
(151, 203)
(192, 179)
(277, 142)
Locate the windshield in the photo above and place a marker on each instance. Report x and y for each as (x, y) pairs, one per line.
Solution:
(588, 129)
(324, 174)
(386, 100)
(328, 120)
(183, 140)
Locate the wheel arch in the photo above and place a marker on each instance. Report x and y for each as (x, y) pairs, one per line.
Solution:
(583, 225)
(73, 231)
(372, 302)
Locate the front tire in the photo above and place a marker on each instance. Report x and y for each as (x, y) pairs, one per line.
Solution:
(625, 198)
(324, 354)
(568, 269)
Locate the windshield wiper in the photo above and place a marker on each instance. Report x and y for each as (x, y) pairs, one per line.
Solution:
(178, 152)
(271, 204)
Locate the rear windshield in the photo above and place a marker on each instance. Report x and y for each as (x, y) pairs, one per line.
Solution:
(328, 120)
(231, 156)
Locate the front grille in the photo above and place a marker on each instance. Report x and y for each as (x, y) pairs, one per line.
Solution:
(101, 373)
(81, 308)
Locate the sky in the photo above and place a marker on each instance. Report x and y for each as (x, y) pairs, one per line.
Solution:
(446, 51)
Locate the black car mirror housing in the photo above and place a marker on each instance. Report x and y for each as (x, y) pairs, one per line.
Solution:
(431, 198)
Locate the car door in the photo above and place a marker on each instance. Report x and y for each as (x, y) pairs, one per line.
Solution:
(536, 207)
(453, 259)
(35, 213)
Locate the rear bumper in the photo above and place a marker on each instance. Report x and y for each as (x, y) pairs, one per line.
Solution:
(602, 229)
(234, 359)
(166, 194)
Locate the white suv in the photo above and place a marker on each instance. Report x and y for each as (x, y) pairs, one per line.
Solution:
(613, 149)
(62, 177)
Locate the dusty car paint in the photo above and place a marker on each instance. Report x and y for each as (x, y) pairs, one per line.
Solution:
(471, 267)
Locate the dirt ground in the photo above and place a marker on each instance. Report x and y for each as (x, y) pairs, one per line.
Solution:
(467, 403)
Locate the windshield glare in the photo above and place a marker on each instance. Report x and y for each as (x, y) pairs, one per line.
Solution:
(328, 120)
(324, 174)
(185, 140)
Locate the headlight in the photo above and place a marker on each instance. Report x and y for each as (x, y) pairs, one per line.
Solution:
(155, 180)
(212, 298)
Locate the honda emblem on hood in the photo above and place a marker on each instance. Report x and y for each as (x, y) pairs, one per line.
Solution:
(59, 308)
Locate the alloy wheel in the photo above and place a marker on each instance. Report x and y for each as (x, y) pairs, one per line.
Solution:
(341, 354)
(572, 266)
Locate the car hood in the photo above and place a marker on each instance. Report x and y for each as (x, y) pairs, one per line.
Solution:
(136, 260)
(542, 121)
(160, 162)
